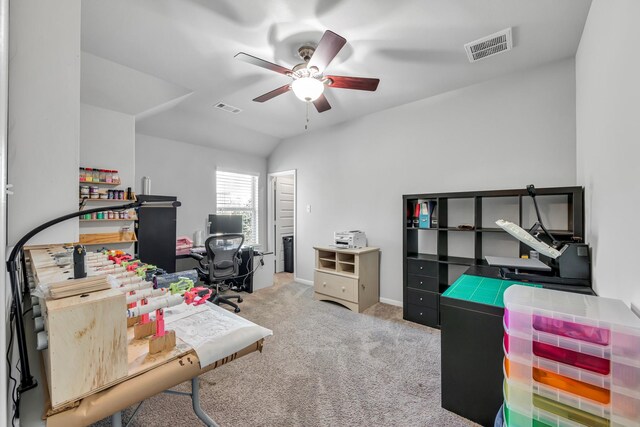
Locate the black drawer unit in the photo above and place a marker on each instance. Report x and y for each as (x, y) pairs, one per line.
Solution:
(423, 268)
(424, 283)
(423, 315)
(423, 298)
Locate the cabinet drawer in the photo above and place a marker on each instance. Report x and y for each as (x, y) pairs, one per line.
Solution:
(423, 315)
(336, 286)
(423, 298)
(422, 282)
(423, 268)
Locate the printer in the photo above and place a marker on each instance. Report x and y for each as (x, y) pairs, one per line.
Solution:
(350, 239)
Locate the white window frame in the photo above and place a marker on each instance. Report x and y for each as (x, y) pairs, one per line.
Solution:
(253, 210)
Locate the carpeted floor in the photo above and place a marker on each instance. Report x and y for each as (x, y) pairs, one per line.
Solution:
(324, 366)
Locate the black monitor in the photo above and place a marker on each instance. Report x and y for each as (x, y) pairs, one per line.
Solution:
(225, 224)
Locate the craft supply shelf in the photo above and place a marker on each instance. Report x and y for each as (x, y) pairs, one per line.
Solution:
(110, 184)
(110, 220)
(108, 238)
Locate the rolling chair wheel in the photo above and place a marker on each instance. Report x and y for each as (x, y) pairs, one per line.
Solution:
(237, 310)
(239, 299)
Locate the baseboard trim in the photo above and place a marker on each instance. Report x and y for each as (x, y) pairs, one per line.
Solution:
(391, 302)
(303, 281)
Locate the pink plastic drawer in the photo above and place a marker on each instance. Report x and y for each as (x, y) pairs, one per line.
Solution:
(570, 357)
(573, 330)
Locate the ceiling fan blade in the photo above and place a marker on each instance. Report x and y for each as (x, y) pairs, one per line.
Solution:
(262, 63)
(267, 96)
(322, 104)
(329, 46)
(357, 83)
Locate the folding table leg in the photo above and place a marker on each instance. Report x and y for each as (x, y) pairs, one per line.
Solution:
(195, 400)
(116, 419)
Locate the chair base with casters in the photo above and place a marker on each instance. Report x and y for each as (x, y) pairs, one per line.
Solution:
(221, 263)
(217, 299)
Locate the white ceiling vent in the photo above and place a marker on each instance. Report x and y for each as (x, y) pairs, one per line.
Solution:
(489, 46)
(228, 108)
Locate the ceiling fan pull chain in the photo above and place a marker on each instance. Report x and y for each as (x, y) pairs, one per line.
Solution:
(306, 125)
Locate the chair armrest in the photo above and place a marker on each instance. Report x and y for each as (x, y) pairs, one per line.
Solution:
(196, 256)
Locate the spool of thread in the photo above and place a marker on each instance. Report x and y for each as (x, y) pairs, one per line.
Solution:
(165, 280)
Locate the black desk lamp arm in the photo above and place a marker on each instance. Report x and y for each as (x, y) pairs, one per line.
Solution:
(532, 192)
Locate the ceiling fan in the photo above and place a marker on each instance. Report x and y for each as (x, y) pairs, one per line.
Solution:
(308, 77)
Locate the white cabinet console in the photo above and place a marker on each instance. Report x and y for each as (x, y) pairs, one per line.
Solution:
(350, 277)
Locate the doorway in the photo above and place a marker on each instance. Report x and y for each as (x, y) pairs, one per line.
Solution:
(282, 224)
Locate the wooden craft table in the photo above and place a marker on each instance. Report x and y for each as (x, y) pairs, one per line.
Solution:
(147, 375)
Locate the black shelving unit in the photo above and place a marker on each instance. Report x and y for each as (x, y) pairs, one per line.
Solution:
(426, 273)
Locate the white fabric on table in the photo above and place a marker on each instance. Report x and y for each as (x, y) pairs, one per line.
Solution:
(213, 332)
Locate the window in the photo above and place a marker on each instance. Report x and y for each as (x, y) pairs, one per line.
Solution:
(237, 194)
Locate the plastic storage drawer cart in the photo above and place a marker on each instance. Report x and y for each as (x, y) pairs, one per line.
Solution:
(570, 360)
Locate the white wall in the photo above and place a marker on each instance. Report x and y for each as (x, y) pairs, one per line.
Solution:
(608, 143)
(505, 133)
(107, 141)
(44, 117)
(189, 171)
(5, 297)
(43, 126)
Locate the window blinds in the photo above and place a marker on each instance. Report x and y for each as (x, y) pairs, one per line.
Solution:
(237, 194)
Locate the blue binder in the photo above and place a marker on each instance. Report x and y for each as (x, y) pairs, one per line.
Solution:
(426, 214)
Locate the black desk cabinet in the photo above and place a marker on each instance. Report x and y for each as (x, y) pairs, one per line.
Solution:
(471, 339)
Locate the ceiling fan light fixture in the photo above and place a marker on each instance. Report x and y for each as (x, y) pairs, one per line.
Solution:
(307, 89)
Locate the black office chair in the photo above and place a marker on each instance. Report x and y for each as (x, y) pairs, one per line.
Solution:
(221, 263)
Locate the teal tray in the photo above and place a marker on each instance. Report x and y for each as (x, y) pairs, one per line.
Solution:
(484, 290)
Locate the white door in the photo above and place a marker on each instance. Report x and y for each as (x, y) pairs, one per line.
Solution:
(283, 215)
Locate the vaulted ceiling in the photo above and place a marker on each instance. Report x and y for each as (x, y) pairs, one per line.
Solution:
(168, 62)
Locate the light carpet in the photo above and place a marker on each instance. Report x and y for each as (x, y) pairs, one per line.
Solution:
(324, 366)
